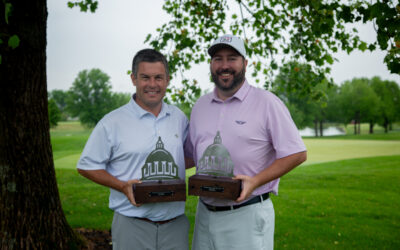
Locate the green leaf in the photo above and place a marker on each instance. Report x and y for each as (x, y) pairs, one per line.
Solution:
(147, 38)
(13, 41)
(83, 7)
(7, 11)
(71, 5)
(93, 7)
(362, 46)
(329, 59)
(274, 65)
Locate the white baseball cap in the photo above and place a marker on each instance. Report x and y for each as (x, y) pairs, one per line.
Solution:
(228, 40)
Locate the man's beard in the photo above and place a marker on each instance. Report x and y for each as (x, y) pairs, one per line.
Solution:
(238, 78)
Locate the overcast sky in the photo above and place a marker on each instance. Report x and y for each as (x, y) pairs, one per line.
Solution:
(109, 38)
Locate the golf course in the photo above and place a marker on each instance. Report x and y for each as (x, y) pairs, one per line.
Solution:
(345, 196)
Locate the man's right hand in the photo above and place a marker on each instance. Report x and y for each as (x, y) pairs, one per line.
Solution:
(128, 191)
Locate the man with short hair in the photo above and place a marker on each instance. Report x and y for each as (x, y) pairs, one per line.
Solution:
(118, 154)
(262, 142)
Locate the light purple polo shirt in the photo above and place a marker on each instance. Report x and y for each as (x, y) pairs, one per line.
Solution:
(255, 127)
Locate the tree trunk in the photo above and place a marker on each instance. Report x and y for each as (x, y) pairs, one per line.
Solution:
(31, 216)
(371, 127)
(357, 122)
(386, 125)
(359, 128)
(321, 128)
(316, 127)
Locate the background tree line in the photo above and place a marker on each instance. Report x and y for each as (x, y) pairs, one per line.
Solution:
(88, 99)
(360, 100)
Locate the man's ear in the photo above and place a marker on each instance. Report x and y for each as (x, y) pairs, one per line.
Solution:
(133, 79)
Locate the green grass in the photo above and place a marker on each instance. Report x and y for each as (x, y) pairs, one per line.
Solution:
(85, 203)
(326, 150)
(68, 140)
(345, 196)
(70, 144)
(340, 205)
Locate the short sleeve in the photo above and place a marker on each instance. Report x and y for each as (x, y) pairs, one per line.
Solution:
(97, 151)
(282, 130)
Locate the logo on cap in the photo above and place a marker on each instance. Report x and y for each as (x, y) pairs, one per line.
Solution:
(226, 39)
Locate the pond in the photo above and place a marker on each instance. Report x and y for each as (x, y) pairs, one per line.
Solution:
(326, 132)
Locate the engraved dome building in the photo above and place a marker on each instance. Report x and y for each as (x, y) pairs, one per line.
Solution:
(159, 164)
(216, 159)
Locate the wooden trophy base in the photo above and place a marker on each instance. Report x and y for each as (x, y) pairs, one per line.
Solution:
(159, 191)
(213, 186)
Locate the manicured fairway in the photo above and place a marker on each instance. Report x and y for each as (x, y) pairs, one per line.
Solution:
(346, 196)
(319, 151)
(325, 150)
(69, 138)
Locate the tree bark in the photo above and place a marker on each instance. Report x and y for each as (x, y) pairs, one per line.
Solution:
(321, 128)
(357, 122)
(31, 216)
(371, 127)
(316, 127)
(386, 125)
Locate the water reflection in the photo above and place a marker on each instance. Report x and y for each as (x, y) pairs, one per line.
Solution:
(326, 132)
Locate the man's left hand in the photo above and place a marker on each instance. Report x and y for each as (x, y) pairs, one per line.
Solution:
(248, 186)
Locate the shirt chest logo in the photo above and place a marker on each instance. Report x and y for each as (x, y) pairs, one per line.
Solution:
(240, 122)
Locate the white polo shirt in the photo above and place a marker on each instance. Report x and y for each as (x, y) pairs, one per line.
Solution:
(120, 144)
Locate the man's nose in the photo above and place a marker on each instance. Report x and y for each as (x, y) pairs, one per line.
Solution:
(152, 82)
(225, 64)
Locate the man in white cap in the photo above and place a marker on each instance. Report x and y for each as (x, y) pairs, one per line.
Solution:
(262, 140)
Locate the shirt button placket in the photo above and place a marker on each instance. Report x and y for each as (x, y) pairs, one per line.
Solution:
(156, 129)
(222, 117)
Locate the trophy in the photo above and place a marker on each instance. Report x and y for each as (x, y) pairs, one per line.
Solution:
(214, 174)
(160, 178)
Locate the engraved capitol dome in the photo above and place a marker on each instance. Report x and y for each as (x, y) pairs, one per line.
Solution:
(216, 159)
(159, 164)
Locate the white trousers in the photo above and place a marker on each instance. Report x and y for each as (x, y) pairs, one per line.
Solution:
(249, 227)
